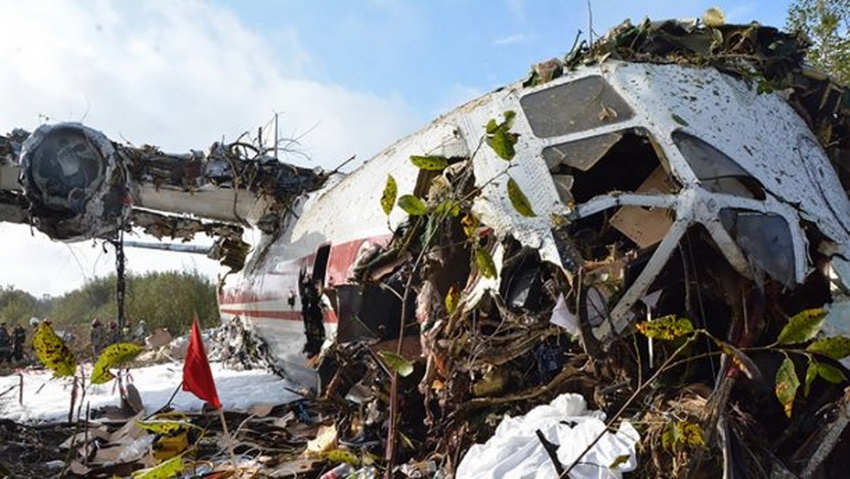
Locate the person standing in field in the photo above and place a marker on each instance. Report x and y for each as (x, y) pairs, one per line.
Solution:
(97, 335)
(5, 344)
(19, 337)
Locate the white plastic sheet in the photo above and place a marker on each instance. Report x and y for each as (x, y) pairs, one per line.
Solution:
(515, 451)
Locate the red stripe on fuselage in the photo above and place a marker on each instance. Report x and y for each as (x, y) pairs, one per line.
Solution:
(340, 261)
(329, 316)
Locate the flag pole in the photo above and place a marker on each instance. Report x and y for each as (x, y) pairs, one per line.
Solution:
(228, 437)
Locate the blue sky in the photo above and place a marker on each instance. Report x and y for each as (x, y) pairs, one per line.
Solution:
(433, 53)
(347, 78)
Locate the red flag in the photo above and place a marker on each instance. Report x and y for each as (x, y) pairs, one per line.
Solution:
(197, 377)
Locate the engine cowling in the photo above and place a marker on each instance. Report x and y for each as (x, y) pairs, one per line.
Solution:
(75, 182)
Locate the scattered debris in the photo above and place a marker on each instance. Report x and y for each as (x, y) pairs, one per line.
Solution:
(616, 243)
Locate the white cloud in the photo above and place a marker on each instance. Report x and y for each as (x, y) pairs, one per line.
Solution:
(514, 39)
(179, 75)
(517, 9)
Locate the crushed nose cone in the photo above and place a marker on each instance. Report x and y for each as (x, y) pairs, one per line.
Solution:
(74, 182)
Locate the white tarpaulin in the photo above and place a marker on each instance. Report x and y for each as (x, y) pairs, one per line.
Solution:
(516, 452)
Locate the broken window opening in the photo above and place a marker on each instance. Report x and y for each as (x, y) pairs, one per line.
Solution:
(715, 170)
(631, 163)
(574, 106)
(309, 290)
(613, 162)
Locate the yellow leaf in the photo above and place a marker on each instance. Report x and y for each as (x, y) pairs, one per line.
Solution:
(341, 455)
(164, 428)
(714, 17)
(52, 352)
(167, 447)
(786, 385)
(388, 197)
(113, 356)
(452, 299)
(666, 327)
(470, 224)
(170, 468)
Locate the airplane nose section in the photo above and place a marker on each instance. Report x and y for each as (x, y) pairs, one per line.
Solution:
(74, 182)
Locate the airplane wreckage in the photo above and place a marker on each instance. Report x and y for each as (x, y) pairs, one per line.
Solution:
(658, 222)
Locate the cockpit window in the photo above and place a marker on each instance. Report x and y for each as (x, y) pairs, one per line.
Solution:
(765, 239)
(715, 170)
(574, 106)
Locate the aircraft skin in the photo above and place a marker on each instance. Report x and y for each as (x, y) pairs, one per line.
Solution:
(659, 102)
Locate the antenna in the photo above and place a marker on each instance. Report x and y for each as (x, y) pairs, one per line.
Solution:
(589, 23)
(275, 136)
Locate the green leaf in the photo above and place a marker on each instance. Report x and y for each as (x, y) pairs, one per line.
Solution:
(485, 263)
(802, 327)
(499, 137)
(519, 200)
(170, 468)
(115, 355)
(52, 351)
(397, 363)
(452, 299)
(430, 163)
(502, 142)
(830, 373)
(811, 374)
(837, 347)
(787, 383)
(620, 460)
(388, 197)
(666, 327)
(448, 207)
(412, 205)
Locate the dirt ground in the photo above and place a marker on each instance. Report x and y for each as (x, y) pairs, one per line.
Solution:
(32, 451)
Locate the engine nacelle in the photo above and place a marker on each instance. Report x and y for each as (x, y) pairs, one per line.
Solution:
(75, 182)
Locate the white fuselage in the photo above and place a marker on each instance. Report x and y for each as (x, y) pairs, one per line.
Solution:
(760, 132)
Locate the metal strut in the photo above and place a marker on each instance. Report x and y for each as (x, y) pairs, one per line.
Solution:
(120, 285)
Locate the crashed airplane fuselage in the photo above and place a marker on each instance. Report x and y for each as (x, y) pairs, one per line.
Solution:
(638, 153)
(655, 149)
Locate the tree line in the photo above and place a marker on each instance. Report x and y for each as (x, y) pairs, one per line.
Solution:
(161, 299)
